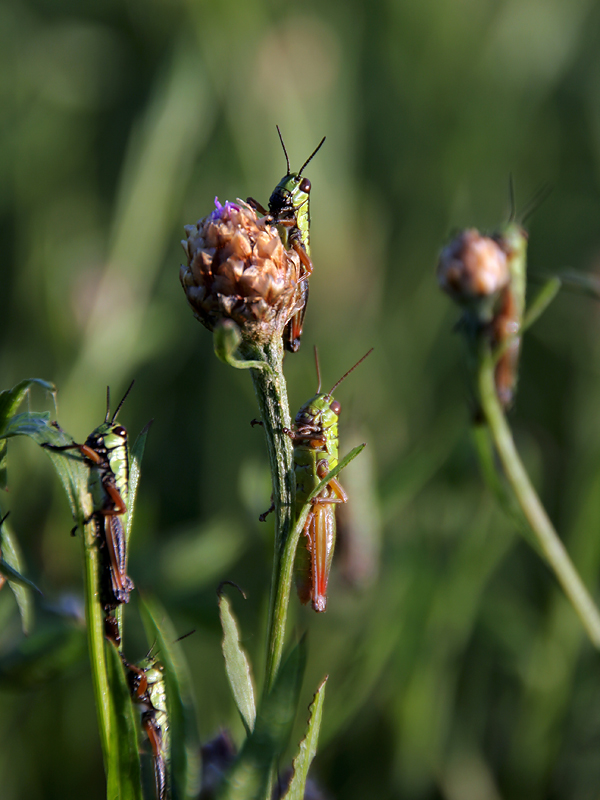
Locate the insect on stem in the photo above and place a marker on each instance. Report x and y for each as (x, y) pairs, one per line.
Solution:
(315, 437)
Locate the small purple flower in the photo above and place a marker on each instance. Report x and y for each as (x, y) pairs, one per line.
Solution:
(223, 212)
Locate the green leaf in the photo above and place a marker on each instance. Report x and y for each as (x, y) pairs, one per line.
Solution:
(11, 399)
(308, 746)
(124, 779)
(237, 665)
(135, 460)
(11, 566)
(541, 302)
(9, 402)
(69, 465)
(13, 576)
(250, 776)
(226, 340)
(336, 470)
(74, 475)
(185, 741)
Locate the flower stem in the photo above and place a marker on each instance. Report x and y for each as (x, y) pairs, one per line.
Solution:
(549, 541)
(271, 392)
(95, 627)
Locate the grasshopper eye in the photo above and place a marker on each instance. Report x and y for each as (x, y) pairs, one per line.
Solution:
(305, 185)
(120, 431)
(336, 407)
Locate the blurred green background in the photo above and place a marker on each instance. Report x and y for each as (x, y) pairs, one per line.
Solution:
(457, 669)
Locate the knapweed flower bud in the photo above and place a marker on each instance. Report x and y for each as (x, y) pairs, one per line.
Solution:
(473, 270)
(237, 268)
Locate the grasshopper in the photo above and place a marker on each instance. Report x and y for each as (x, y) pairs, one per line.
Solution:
(147, 686)
(507, 323)
(289, 209)
(107, 454)
(511, 319)
(315, 437)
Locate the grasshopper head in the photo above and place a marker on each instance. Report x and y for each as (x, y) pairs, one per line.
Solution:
(321, 410)
(292, 192)
(115, 436)
(107, 436)
(289, 196)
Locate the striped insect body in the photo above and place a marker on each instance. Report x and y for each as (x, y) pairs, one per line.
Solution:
(106, 451)
(148, 690)
(315, 437)
(289, 209)
(506, 324)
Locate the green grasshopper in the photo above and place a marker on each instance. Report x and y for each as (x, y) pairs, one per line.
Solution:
(107, 454)
(147, 686)
(509, 321)
(289, 208)
(315, 437)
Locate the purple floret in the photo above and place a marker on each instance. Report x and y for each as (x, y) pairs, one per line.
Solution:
(222, 212)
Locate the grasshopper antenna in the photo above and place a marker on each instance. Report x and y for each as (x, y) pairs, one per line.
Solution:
(114, 416)
(107, 404)
(287, 160)
(318, 370)
(511, 198)
(311, 156)
(536, 201)
(334, 387)
(184, 636)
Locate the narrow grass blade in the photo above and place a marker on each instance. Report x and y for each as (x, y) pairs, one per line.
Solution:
(124, 780)
(185, 741)
(12, 576)
(336, 470)
(137, 453)
(581, 282)
(250, 777)
(308, 746)
(237, 665)
(541, 302)
(135, 461)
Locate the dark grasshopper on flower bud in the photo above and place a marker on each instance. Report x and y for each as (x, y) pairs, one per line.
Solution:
(315, 437)
(289, 209)
(147, 685)
(107, 454)
(486, 275)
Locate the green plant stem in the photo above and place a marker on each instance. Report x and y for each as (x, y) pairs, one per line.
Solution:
(549, 541)
(271, 392)
(95, 627)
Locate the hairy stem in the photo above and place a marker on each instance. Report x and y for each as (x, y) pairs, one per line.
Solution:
(271, 392)
(549, 541)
